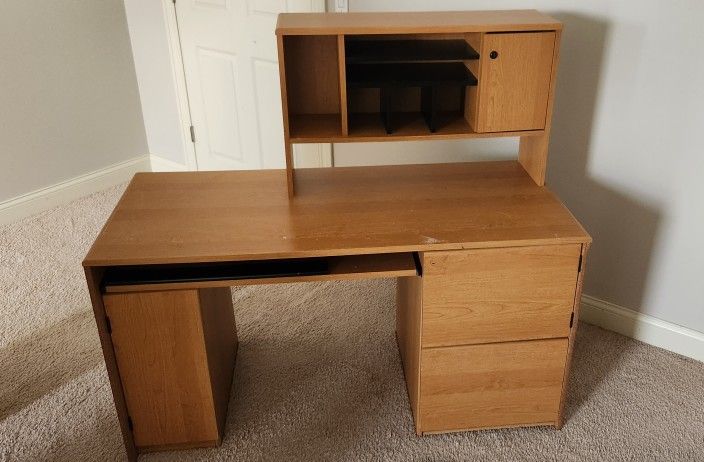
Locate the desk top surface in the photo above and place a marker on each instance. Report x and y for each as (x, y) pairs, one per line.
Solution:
(194, 217)
(414, 22)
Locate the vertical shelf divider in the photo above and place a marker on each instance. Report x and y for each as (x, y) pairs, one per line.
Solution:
(288, 147)
(343, 84)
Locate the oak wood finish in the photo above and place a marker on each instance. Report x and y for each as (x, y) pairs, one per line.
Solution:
(424, 22)
(513, 96)
(471, 100)
(366, 127)
(288, 148)
(312, 74)
(409, 300)
(491, 385)
(533, 151)
(343, 83)
(310, 84)
(221, 343)
(315, 128)
(175, 354)
(391, 265)
(194, 217)
(514, 86)
(483, 334)
(93, 277)
(498, 295)
(573, 334)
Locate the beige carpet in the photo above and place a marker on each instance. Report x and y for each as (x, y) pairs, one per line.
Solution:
(318, 375)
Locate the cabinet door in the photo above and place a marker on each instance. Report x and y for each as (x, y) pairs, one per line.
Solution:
(515, 81)
(175, 351)
(498, 295)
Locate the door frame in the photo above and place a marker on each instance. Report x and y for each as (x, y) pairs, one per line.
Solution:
(179, 74)
(305, 155)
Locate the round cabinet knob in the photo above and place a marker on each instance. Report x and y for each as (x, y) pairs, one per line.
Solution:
(494, 54)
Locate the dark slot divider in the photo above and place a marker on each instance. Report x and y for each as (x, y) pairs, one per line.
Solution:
(427, 76)
(385, 107)
(217, 271)
(388, 51)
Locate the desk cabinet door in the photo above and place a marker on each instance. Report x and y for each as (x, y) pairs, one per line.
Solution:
(515, 81)
(175, 351)
(498, 295)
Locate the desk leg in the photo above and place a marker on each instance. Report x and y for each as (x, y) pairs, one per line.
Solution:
(175, 353)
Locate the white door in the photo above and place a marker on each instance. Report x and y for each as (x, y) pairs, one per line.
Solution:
(232, 78)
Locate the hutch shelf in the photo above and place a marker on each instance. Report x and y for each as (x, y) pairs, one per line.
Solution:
(410, 76)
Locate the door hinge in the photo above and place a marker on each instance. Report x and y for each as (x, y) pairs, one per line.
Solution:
(108, 324)
(193, 134)
(572, 319)
(130, 425)
(579, 265)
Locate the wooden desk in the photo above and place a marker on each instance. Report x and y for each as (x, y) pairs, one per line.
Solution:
(489, 267)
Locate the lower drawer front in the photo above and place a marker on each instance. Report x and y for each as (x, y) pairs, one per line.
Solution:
(492, 385)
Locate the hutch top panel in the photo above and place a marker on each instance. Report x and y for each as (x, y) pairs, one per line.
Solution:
(414, 22)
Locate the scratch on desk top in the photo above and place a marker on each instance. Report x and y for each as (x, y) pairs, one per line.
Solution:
(430, 240)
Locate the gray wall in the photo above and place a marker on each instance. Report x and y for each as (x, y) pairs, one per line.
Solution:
(626, 153)
(68, 93)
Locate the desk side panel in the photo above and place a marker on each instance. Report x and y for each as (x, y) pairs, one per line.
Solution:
(93, 278)
(573, 334)
(408, 327)
(220, 335)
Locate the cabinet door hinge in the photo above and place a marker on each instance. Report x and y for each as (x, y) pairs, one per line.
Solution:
(572, 319)
(109, 325)
(193, 134)
(579, 265)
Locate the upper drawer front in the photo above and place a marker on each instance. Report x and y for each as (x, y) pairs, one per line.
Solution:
(497, 295)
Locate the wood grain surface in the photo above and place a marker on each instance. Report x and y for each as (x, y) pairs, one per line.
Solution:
(247, 215)
(167, 371)
(409, 300)
(492, 385)
(498, 295)
(514, 86)
(417, 22)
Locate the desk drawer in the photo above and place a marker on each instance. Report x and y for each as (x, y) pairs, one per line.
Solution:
(494, 385)
(498, 295)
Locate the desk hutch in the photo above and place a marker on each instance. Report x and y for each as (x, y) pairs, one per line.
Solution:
(489, 262)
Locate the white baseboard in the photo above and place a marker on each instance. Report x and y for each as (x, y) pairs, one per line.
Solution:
(160, 164)
(69, 190)
(643, 327)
